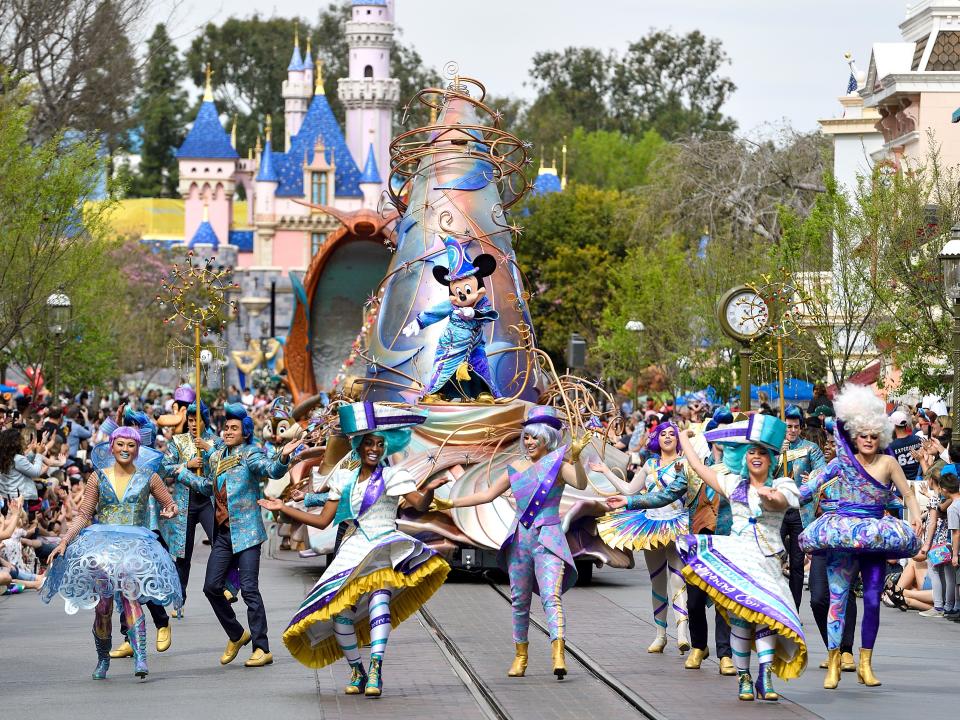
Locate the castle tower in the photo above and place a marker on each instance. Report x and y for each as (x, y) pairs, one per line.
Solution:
(297, 91)
(265, 197)
(369, 94)
(207, 162)
(370, 181)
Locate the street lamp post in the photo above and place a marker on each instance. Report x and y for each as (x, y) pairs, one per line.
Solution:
(59, 313)
(950, 263)
(637, 327)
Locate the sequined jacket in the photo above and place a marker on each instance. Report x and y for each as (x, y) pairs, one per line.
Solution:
(242, 468)
(803, 459)
(180, 449)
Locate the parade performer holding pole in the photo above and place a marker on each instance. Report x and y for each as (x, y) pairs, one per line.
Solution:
(535, 554)
(379, 576)
(237, 467)
(857, 530)
(652, 521)
(117, 556)
(742, 572)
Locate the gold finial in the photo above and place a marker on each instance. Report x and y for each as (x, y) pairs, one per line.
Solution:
(259, 147)
(208, 88)
(268, 130)
(249, 153)
(318, 85)
(233, 133)
(296, 34)
(433, 114)
(206, 211)
(563, 176)
(308, 44)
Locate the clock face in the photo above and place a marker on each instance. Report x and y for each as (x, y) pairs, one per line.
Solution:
(746, 313)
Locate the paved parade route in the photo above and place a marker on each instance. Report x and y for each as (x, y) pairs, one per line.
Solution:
(46, 657)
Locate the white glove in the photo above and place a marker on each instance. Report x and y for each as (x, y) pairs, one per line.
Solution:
(466, 312)
(412, 328)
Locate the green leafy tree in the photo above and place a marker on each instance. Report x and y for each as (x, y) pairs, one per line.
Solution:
(610, 159)
(161, 109)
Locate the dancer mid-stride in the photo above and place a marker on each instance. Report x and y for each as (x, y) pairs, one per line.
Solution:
(855, 530)
(535, 553)
(652, 521)
(117, 556)
(742, 572)
(380, 576)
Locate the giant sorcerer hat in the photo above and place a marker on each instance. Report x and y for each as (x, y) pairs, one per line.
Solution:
(766, 430)
(363, 418)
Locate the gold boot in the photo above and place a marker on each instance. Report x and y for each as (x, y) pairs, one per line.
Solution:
(832, 679)
(658, 644)
(847, 663)
(727, 667)
(865, 674)
(697, 656)
(125, 650)
(559, 662)
(163, 639)
(519, 666)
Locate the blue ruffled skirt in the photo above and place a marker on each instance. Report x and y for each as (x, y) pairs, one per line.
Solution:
(106, 560)
(887, 536)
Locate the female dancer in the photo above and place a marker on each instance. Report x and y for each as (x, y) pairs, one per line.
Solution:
(742, 572)
(117, 555)
(535, 554)
(655, 529)
(395, 572)
(858, 531)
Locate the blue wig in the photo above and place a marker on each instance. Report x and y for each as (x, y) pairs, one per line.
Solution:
(236, 411)
(395, 441)
(204, 412)
(735, 458)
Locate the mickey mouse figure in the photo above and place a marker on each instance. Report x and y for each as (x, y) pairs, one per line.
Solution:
(461, 369)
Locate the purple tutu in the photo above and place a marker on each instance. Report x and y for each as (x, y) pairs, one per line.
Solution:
(887, 535)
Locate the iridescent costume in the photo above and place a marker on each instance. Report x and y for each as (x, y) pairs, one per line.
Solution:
(535, 554)
(855, 529)
(117, 557)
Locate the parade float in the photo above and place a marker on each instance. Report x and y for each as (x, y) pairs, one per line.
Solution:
(449, 329)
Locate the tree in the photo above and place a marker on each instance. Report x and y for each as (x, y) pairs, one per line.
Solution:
(610, 159)
(671, 84)
(49, 229)
(161, 110)
(77, 60)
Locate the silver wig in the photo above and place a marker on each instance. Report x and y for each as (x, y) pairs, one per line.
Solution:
(861, 411)
(548, 436)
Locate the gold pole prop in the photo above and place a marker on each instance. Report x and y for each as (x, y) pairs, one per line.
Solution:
(783, 406)
(196, 360)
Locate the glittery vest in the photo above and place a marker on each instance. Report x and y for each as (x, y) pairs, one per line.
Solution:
(131, 509)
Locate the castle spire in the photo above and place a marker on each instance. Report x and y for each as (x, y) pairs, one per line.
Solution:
(318, 87)
(208, 88)
(563, 176)
(268, 130)
(206, 211)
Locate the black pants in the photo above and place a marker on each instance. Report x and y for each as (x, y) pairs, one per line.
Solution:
(697, 615)
(790, 534)
(200, 511)
(820, 604)
(222, 558)
(157, 612)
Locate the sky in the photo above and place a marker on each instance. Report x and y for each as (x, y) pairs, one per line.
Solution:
(786, 58)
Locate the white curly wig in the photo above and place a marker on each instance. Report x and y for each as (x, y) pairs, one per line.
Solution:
(861, 411)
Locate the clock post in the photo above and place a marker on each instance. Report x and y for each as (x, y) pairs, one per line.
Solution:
(746, 356)
(743, 316)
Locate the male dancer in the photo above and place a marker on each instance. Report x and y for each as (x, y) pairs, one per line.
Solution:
(237, 468)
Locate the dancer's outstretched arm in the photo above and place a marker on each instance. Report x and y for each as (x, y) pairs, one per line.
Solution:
(321, 521)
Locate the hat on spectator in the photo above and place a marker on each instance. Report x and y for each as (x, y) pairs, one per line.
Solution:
(899, 418)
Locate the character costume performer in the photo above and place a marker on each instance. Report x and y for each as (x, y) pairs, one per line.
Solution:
(742, 572)
(461, 355)
(236, 469)
(652, 523)
(803, 458)
(855, 529)
(379, 576)
(117, 557)
(535, 554)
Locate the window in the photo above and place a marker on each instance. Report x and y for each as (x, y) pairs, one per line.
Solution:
(318, 188)
(368, 71)
(316, 242)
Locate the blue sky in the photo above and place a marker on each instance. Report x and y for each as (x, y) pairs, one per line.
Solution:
(786, 57)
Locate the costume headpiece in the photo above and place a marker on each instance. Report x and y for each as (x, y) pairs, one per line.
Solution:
(135, 417)
(545, 415)
(236, 411)
(859, 410)
(793, 412)
(721, 416)
(392, 422)
(184, 394)
(766, 430)
(460, 266)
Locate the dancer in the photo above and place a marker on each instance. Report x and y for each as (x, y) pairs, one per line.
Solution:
(379, 576)
(858, 531)
(742, 572)
(803, 458)
(117, 555)
(535, 553)
(643, 522)
(237, 467)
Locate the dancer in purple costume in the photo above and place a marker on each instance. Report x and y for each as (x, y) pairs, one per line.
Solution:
(535, 553)
(857, 529)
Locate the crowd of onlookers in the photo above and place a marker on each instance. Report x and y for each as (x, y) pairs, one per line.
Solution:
(45, 461)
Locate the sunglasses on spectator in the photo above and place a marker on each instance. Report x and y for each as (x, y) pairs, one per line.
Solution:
(871, 436)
